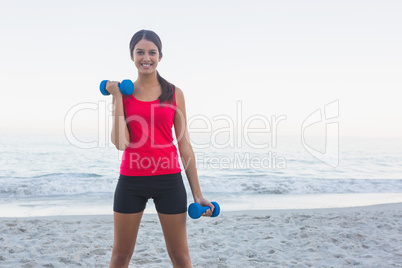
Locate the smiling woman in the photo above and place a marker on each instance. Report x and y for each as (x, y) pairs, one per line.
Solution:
(150, 167)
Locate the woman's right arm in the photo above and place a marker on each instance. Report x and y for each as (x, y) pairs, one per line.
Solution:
(120, 135)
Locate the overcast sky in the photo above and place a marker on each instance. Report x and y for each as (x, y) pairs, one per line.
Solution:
(267, 58)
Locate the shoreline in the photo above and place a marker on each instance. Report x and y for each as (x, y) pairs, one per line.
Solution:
(47, 208)
(256, 212)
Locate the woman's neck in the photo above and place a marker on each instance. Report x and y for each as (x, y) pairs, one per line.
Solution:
(149, 80)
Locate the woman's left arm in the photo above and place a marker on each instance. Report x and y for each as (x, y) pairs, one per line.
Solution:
(186, 151)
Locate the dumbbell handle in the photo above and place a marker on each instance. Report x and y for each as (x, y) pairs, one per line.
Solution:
(204, 209)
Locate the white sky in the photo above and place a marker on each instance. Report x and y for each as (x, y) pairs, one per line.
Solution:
(276, 57)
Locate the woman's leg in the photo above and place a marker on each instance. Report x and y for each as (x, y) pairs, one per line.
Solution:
(175, 233)
(125, 234)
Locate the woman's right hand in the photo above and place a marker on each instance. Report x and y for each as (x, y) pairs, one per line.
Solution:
(113, 87)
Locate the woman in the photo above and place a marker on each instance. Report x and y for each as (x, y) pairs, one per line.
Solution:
(142, 127)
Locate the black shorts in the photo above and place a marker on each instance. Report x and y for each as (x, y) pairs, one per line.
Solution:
(167, 191)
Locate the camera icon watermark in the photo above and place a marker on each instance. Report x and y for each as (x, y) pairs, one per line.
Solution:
(327, 118)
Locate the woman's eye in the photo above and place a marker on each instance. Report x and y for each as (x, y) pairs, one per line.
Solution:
(141, 52)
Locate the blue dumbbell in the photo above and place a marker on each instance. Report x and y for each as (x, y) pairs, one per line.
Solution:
(126, 87)
(195, 210)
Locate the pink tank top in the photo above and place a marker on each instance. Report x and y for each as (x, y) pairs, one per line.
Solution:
(151, 150)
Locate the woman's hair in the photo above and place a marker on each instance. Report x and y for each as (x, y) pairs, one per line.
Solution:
(168, 89)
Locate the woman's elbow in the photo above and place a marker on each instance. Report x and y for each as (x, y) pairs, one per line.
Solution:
(120, 147)
(185, 149)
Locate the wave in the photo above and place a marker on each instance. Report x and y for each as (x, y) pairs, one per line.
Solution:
(288, 185)
(53, 175)
(55, 184)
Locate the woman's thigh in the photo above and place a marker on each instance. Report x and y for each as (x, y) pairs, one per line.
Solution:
(125, 232)
(175, 233)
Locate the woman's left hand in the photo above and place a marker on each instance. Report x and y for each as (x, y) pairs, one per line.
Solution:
(205, 203)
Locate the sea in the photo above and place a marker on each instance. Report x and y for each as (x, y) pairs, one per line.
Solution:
(58, 174)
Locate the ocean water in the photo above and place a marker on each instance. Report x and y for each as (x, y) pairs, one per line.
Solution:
(42, 175)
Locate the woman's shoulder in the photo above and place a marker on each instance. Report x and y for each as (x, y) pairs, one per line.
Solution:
(178, 90)
(179, 93)
(179, 96)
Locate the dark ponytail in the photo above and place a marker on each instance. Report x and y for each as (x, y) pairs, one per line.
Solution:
(168, 89)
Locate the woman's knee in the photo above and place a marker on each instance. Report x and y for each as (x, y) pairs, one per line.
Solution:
(120, 258)
(180, 259)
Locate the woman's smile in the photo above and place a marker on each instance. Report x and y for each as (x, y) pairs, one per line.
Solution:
(146, 66)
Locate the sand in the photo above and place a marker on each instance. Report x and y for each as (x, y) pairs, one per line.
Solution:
(359, 237)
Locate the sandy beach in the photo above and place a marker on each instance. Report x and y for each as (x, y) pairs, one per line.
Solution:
(359, 237)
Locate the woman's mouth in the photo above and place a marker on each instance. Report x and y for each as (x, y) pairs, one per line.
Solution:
(146, 66)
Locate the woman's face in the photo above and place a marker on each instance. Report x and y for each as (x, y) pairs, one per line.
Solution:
(146, 56)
